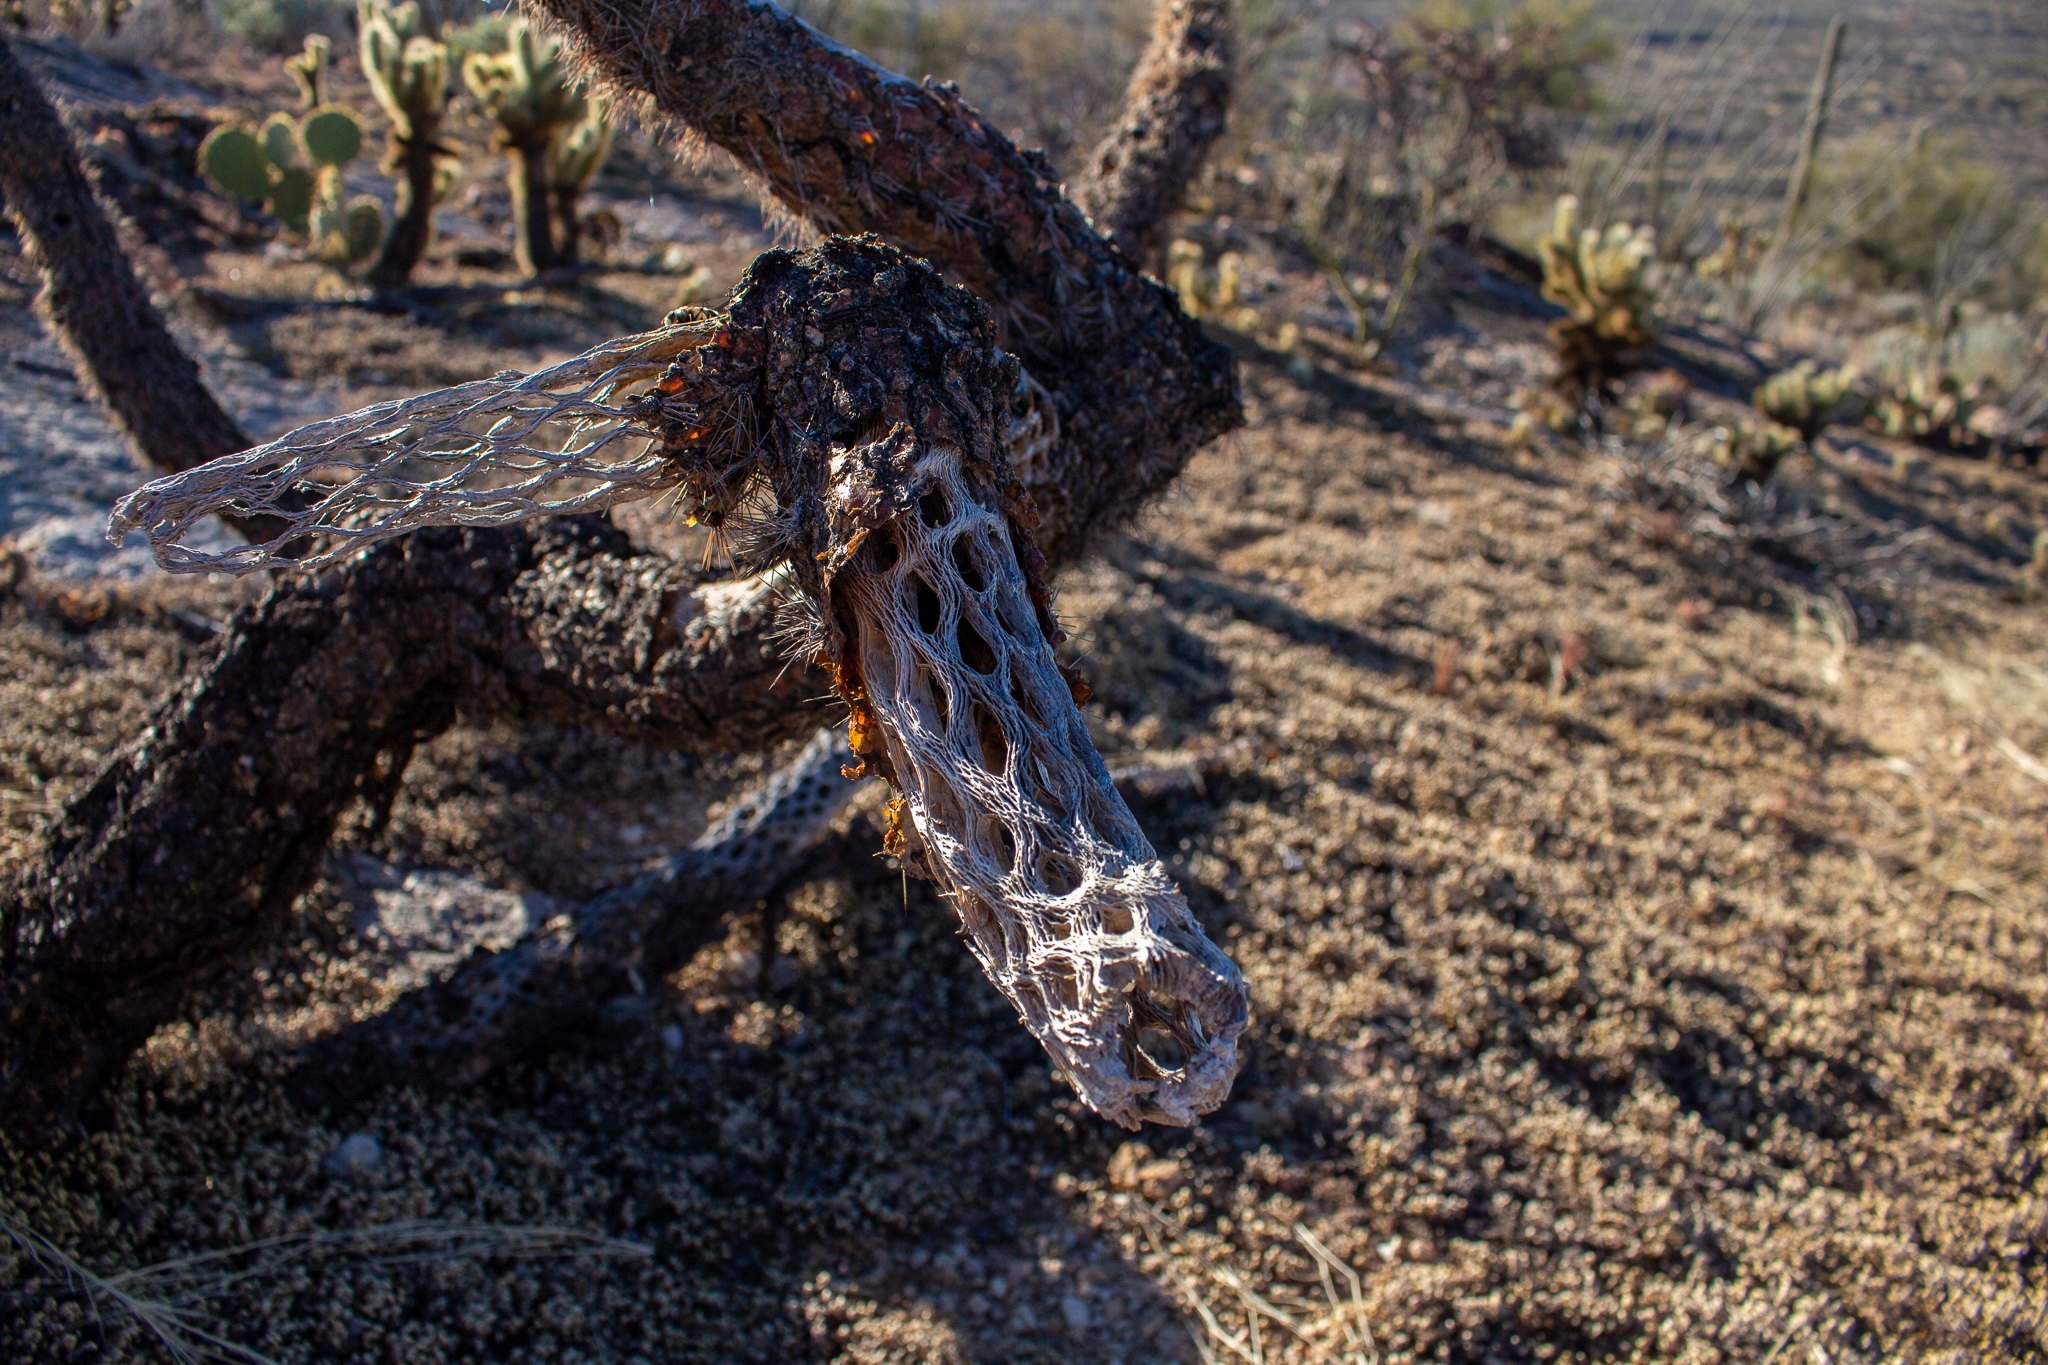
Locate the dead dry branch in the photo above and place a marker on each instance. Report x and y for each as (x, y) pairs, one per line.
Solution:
(91, 300)
(147, 889)
(1174, 110)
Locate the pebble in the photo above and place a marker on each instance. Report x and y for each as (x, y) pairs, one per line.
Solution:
(353, 1155)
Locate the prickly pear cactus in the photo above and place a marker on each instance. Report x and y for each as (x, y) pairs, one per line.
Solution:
(293, 168)
(1603, 282)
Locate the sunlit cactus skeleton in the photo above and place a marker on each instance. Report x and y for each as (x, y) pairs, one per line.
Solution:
(851, 428)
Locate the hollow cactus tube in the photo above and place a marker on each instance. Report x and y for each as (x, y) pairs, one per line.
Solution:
(1062, 899)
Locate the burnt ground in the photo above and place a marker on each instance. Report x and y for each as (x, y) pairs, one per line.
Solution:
(1640, 886)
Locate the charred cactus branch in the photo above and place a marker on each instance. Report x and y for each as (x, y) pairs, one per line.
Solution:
(192, 844)
(591, 634)
(1174, 109)
(91, 299)
(852, 148)
(498, 1006)
(848, 424)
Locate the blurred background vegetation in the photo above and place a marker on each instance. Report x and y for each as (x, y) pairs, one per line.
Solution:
(1376, 145)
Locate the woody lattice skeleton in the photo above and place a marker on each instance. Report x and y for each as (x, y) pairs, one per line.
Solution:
(850, 426)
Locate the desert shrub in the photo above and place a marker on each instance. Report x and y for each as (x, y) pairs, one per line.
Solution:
(1387, 138)
(1952, 231)
(1052, 73)
(281, 25)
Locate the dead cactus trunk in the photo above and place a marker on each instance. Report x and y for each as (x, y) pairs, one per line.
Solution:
(853, 148)
(91, 299)
(1175, 108)
(587, 632)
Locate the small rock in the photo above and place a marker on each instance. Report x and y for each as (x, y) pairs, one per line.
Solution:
(353, 1155)
(672, 1037)
(1075, 1310)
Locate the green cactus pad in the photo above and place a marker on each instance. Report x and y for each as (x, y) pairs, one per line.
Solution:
(291, 198)
(234, 163)
(362, 227)
(332, 136)
(280, 137)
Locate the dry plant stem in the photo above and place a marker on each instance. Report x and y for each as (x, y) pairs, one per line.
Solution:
(498, 1006)
(1174, 109)
(885, 410)
(91, 299)
(852, 148)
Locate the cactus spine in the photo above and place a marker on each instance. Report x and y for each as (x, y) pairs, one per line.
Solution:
(408, 74)
(533, 94)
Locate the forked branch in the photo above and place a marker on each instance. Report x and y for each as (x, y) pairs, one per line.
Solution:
(849, 419)
(852, 148)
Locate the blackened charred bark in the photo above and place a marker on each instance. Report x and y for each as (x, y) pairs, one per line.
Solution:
(852, 148)
(497, 1006)
(192, 844)
(182, 853)
(639, 646)
(91, 299)
(1174, 110)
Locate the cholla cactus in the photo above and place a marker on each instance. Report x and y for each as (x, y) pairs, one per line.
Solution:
(880, 492)
(408, 74)
(532, 93)
(1804, 399)
(309, 69)
(1603, 282)
(574, 158)
(1740, 251)
(1751, 454)
(293, 168)
(1934, 408)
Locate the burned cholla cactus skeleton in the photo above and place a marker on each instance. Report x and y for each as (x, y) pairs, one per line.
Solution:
(847, 423)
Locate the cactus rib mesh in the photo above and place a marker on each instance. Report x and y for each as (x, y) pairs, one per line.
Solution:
(1063, 900)
(486, 453)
